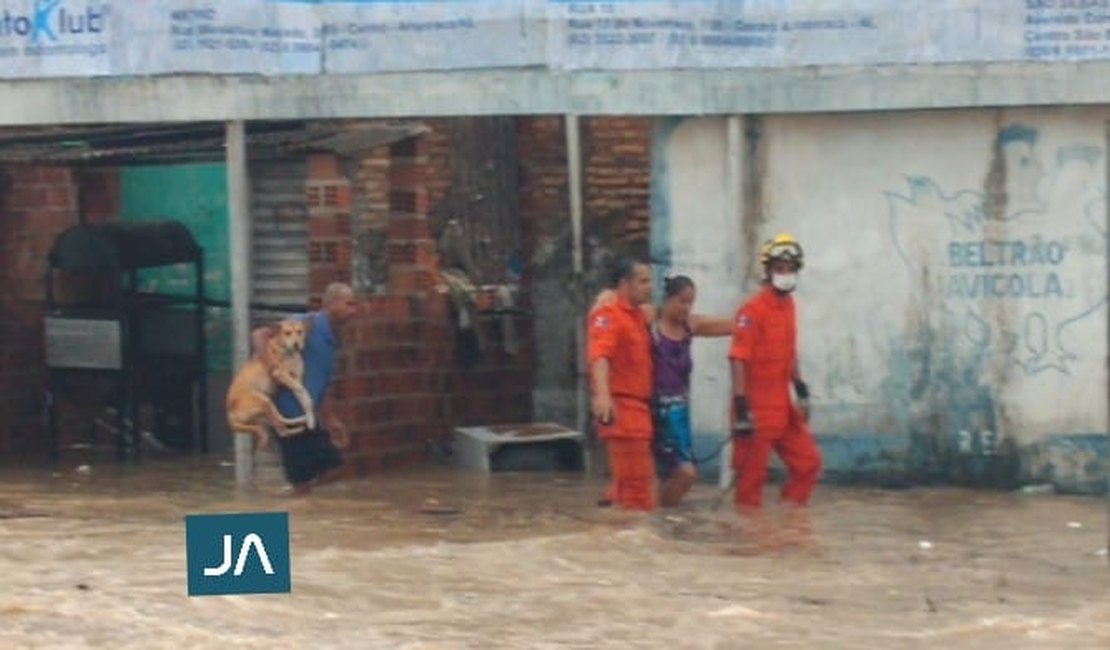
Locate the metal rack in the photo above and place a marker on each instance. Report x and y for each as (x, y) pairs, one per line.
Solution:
(151, 347)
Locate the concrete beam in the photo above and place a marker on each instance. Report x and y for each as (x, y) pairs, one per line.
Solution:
(546, 92)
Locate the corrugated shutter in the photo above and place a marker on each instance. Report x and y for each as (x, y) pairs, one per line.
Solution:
(280, 234)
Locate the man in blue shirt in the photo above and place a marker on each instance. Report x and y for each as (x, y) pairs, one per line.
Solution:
(313, 457)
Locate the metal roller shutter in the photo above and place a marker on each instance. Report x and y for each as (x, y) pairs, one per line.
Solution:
(279, 216)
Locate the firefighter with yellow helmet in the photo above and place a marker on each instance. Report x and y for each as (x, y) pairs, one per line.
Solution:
(764, 363)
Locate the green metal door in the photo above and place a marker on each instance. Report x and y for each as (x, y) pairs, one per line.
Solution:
(195, 195)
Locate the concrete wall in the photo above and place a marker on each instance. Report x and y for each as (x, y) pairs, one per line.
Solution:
(953, 309)
(531, 91)
(695, 232)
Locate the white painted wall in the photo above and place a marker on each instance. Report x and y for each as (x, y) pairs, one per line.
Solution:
(878, 200)
(856, 188)
(696, 232)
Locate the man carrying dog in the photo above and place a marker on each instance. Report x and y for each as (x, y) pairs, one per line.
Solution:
(313, 457)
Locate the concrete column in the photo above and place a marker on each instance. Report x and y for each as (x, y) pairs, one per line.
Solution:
(734, 186)
(574, 185)
(239, 238)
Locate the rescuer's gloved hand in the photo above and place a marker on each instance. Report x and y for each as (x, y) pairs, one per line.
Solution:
(742, 426)
(802, 391)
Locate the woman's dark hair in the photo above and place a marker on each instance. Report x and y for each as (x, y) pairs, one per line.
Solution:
(674, 285)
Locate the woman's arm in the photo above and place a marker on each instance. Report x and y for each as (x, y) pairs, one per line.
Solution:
(710, 326)
(608, 297)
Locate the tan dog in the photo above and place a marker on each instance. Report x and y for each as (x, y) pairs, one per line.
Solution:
(249, 403)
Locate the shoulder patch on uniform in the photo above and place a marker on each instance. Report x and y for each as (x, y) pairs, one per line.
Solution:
(743, 321)
(601, 321)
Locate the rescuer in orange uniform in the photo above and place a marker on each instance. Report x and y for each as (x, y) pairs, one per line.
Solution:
(764, 365)
(621, 380)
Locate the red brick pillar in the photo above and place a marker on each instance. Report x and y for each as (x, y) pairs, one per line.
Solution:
(328, 194)
(391, 387)
(413, 386)
(36, 205)
(413, 262)
(100, 195)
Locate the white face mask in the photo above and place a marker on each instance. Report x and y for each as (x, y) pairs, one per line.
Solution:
(784, 282)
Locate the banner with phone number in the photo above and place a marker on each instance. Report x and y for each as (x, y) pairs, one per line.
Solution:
(88, 38)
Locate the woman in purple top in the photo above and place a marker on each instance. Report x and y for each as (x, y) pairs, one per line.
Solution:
(673, 325)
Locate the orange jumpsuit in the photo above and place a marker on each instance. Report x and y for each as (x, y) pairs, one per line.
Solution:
(619, 332)
(764, 336)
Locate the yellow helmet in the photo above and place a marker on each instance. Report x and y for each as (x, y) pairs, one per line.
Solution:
(782, 247)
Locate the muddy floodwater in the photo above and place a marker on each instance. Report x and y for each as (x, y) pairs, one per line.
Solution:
(439, 558)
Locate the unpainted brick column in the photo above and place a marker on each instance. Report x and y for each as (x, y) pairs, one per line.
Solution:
(409, 407)
(370, 221)
(36, 205)
(100, 198)
(391, 388)
(328, 196)
(411, 250)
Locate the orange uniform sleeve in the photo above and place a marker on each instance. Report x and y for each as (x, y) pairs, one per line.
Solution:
(601, 334)
(744, 328)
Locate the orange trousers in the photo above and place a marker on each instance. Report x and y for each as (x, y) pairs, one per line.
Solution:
(633, 473)
(798, 451)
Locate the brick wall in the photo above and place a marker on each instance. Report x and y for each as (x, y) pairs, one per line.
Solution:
(498, 387)
(36, 203)
(544, 203)
(616, 169)
(616, 153)
(399, 383)
(100, 195)
(391, 389)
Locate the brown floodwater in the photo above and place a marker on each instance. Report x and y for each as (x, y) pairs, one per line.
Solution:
(441, 558)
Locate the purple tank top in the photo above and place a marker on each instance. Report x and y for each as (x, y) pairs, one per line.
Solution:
(672, 364)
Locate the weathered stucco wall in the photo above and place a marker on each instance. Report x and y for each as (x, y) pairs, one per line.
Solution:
(695, 232)
(953, 309)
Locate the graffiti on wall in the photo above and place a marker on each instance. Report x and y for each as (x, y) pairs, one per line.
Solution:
(1001, 277)
(1018, 263)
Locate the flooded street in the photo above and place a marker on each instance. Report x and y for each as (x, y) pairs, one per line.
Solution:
(438, 558)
